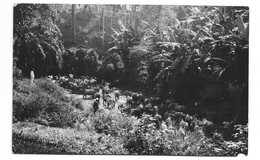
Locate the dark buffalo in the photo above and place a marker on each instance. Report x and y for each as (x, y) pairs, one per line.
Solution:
(86, 92)
(117, 94)
(138, 98)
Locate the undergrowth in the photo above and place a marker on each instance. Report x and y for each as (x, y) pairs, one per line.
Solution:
(46, 121)
(63, 141)
(43, 102)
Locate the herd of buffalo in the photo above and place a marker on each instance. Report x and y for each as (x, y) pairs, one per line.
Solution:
(136, 103)
(106, 96)
(131, 103)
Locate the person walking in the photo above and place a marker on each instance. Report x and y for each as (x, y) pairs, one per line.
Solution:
(32, 76)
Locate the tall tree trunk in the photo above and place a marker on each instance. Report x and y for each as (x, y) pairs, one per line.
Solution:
(125, 19)
(112, 19)
(136, 25)
(133, 13)
(103, 32)
(157, 39)
(158, 22)
(129, 19)
(73, 23)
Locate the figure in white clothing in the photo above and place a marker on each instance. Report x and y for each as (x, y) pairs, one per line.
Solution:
(32, 76)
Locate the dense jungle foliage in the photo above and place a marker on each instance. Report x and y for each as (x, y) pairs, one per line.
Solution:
(195, 57)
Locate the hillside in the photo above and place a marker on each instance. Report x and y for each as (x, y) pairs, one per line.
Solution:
(69, 130)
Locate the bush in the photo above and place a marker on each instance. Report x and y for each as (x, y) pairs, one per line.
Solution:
(168, 140)
(113, 123)
(77, 103)
(109, 131)
(239, 140)
(53, 89)
(40, 139)
(17, 73)
(185, 137)
(43, 101)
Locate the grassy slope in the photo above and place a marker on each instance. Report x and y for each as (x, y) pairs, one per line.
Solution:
(34, 138)
(66, 138)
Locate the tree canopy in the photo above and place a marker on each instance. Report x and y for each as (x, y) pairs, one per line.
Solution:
(161, 49)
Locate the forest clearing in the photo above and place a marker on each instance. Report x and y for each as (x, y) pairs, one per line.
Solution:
(130, 79)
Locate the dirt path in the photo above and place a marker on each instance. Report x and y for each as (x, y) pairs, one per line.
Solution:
(87, 103)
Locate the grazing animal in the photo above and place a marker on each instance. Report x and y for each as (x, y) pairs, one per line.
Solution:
(184, 124)
(138, 98)
(55, 77)
(120, 107)
(105, 90)
(158, 120)
(92, 81)
(50, 77)
(95, 105)
(71, 76)
(155, 110)
(111, 103)
(128, 93)
(138, 112)
(129, 100)
(206, 123)
(117, 94)
(148, 109)
(146, 101)
(97, 89)
(106, 98)
(88, 92)
(188, 118)
(126, 110)
(179, 108)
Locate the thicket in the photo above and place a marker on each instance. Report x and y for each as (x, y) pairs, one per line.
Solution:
(44, 103)
(113, 133)
(36, 42)
(162, 47)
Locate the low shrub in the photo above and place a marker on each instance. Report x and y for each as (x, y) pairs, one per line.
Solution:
(43, 100)
(181, 138)
(145, 138)
(62, 141)
(52, 88)
(113, 123)
(77, 103)
(17, 73)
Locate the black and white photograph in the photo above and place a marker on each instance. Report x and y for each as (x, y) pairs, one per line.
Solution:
(130, 79)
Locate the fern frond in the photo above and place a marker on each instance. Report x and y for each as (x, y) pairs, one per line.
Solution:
(115, 32)
(216, 60)
(122, 26)
(162, 72)
(41, 51)
(146, 23)
(163, 60)
(49, 48)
